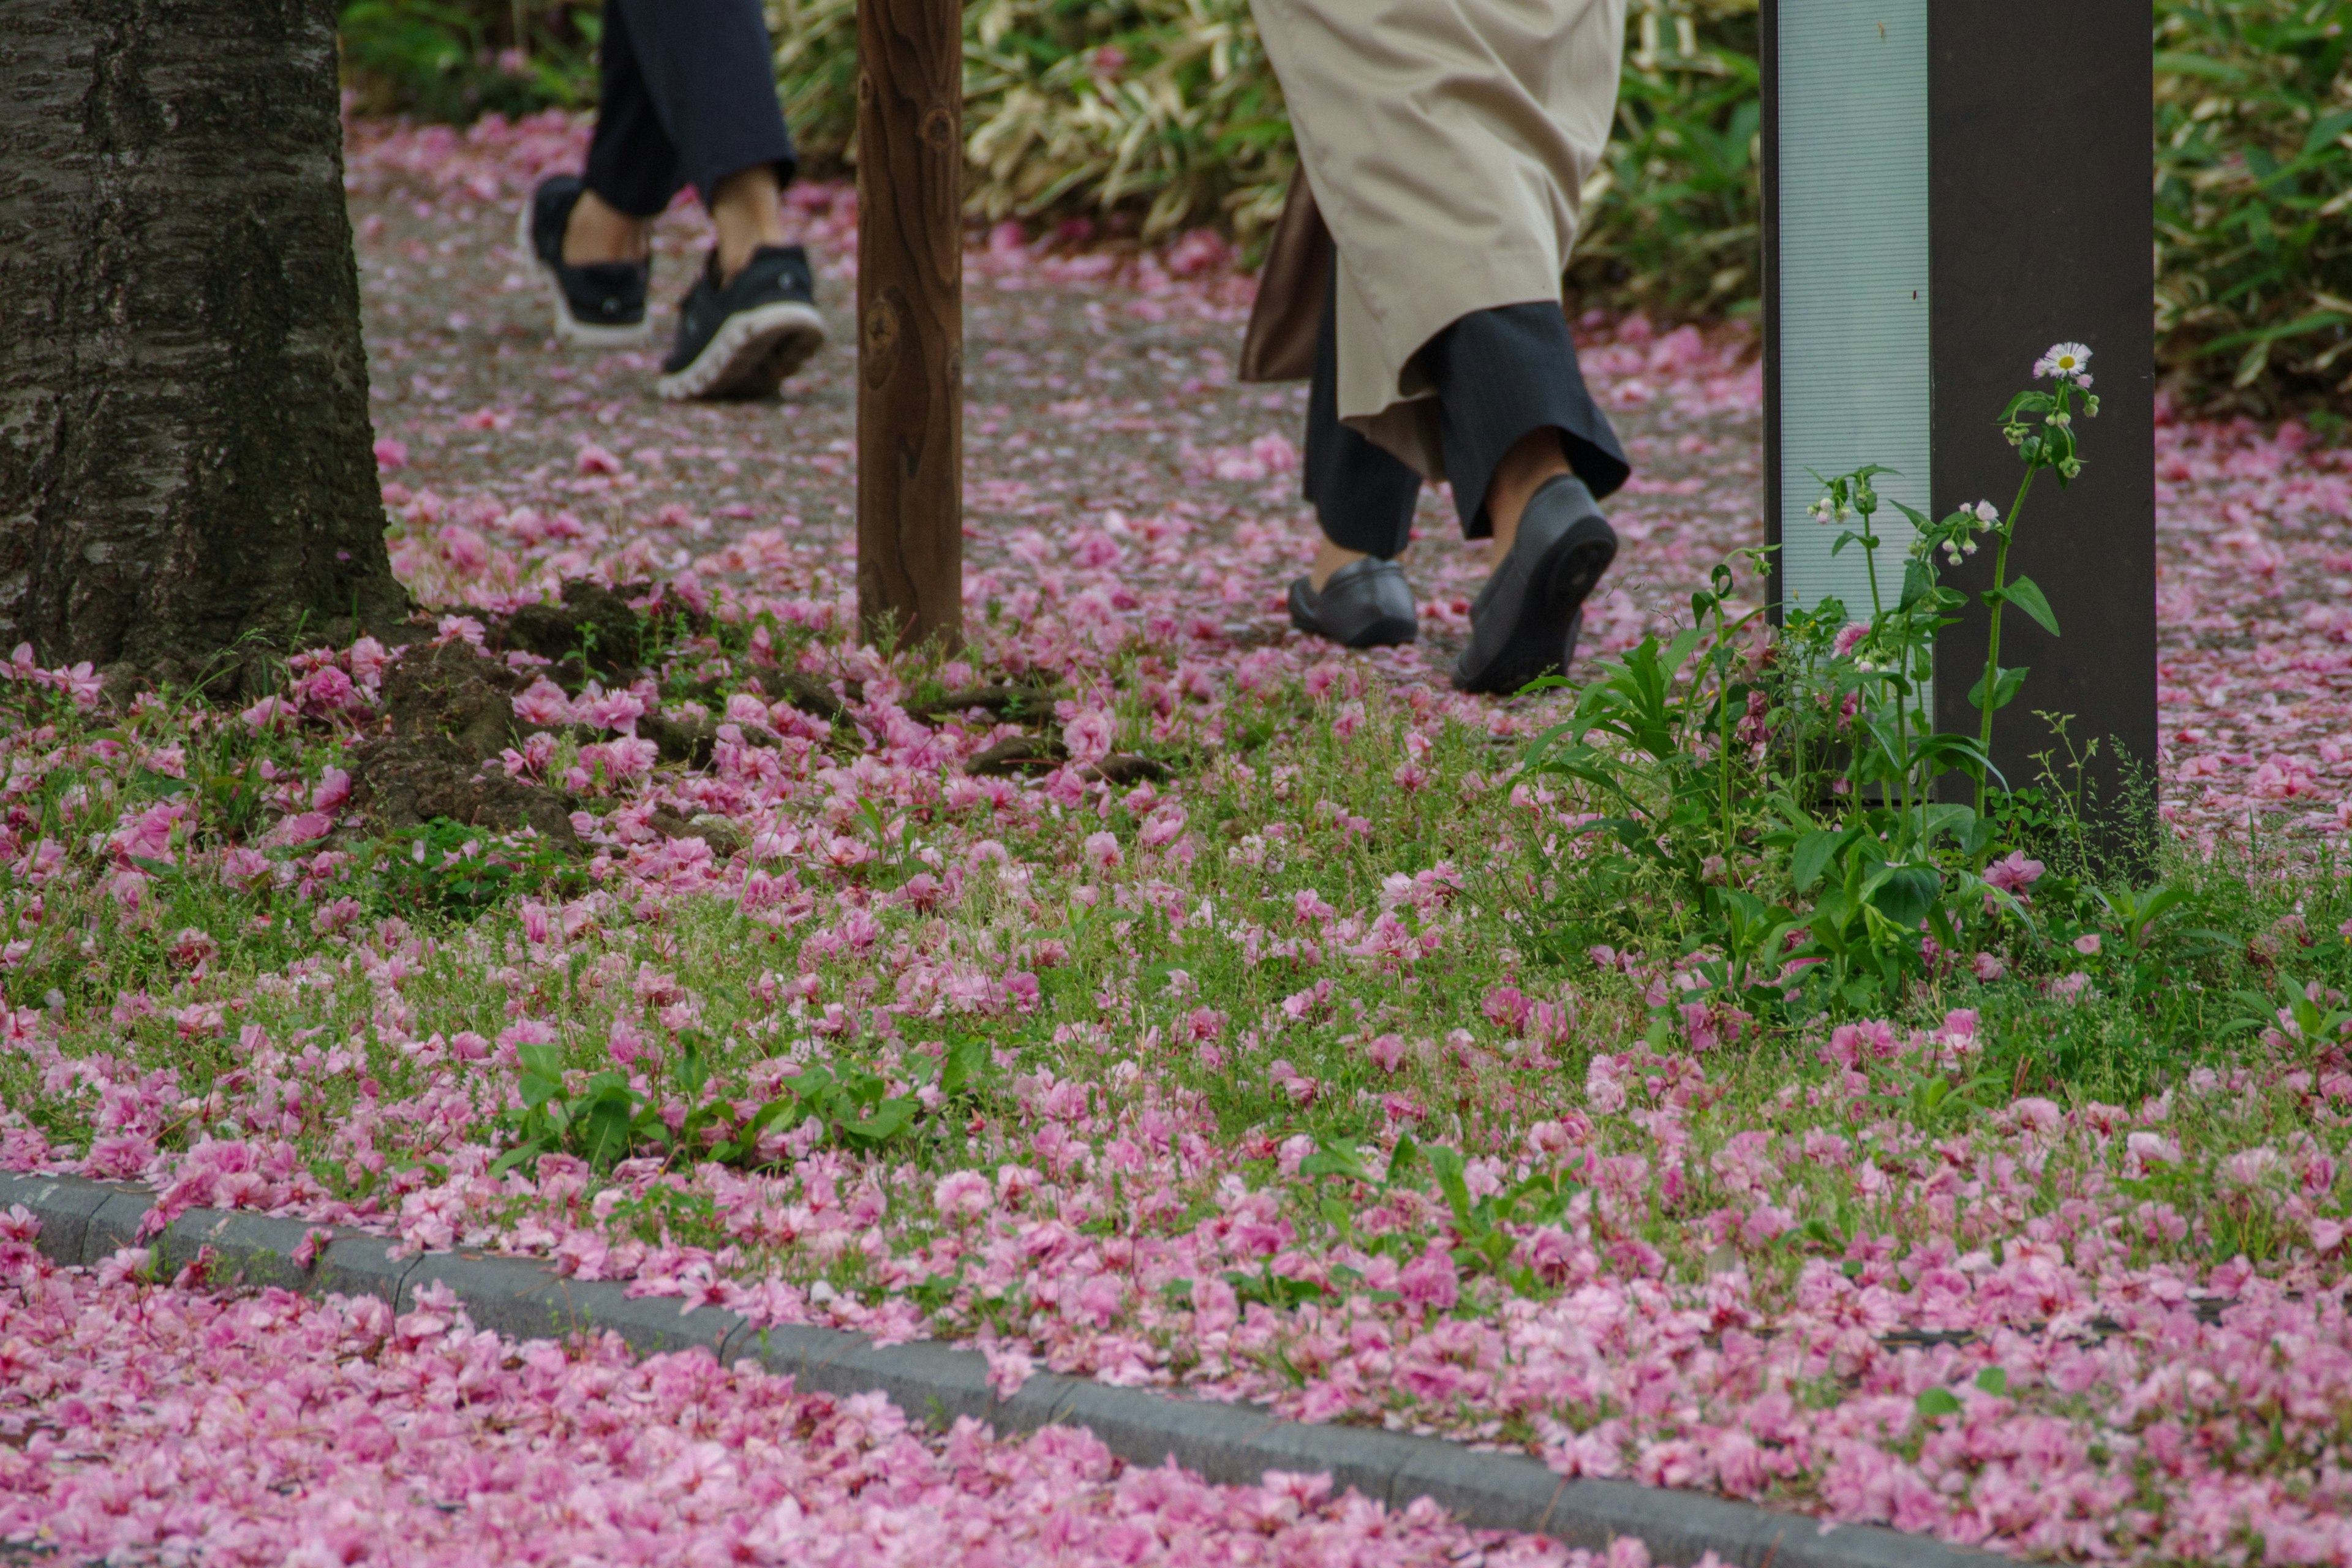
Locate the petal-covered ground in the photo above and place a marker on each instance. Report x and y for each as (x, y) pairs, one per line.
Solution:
(143, 1423)
(1224, 1045)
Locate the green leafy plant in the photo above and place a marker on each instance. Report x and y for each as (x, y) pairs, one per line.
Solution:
(854, 1107)
(450, 868)
(1783, 789)
(606, 1119)
(1485, 1242)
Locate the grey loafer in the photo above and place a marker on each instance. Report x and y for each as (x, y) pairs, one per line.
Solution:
(1524, 622)
(1366, 604)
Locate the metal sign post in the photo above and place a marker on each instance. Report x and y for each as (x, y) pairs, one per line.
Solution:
(1949, 189)
(910, 321)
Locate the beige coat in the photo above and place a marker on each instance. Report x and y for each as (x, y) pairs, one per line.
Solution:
(1444, 146)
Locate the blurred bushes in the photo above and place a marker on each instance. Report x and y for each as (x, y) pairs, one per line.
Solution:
(1145, 117)
(457, 60)
(1150, 116)
(2253, 199)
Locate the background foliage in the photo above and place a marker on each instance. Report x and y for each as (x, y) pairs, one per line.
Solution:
(1138, 118)
(2253, 169)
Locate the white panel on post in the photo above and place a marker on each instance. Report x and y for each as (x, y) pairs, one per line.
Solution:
(1853, 279)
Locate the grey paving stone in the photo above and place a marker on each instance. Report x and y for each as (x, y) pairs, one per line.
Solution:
(355, 1265)
(248, 1249)
(64, 1204)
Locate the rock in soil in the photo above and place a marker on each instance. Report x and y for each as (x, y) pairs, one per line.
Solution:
(593, 625)
(402, 782)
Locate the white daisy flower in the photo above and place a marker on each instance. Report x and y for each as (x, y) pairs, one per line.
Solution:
(2064, 361)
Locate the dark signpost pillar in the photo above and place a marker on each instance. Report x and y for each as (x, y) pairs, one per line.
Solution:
(910, 321)
(1948, 190)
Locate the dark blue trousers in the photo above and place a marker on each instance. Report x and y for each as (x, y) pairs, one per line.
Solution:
(688, 97)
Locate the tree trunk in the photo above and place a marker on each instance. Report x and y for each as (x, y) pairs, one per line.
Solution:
(187, 466)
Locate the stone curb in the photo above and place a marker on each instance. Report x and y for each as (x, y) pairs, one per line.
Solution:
(83, 1221)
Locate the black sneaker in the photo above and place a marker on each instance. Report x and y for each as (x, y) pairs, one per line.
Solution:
(601, 305)
(742, 340)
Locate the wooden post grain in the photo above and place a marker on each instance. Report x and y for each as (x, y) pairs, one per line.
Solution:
(910, 321)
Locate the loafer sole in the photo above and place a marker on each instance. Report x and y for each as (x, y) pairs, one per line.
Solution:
(1540, 622)
(750, 354)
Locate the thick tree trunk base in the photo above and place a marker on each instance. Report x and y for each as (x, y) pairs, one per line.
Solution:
(187, 467)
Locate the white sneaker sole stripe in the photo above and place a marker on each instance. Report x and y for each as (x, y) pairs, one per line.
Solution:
(750, 354)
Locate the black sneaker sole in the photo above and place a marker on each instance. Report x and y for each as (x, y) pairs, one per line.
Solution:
(750, 354)
(1562, 578)
(570, 329)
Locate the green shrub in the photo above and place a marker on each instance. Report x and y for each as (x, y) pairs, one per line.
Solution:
(456, 60)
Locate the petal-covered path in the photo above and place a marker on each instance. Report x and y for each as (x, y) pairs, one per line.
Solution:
(1100, 392)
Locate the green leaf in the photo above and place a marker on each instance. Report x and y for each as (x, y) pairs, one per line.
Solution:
(1401, 1161)
(1934, 1402)
(889, 1119)
(2175, 62)
(2004, 691)
(1331, 1160)
(604, 1137)
(1993, 1381)
(1918, 581)
(2027, 596)
(2302, 326)
(1944, 817)
(517, 1155)
(1906, 894)
(967, 1061)
(1685, 643)
(1447, 1164)
(1814, 852)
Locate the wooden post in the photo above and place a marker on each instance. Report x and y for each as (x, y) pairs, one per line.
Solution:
(910, 321)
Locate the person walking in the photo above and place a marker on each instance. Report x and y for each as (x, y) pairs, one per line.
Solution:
(1416, 282)
(686, 97)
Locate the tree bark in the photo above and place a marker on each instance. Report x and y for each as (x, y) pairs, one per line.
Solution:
(186, 464)
(910, 321)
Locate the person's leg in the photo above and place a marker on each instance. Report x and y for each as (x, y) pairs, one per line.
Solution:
(1528, 453)
(707, 74)
(748, 210)
(1513, 413)
(589, 233)
(1355, 594)
(632, 167)
(1363, 496)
